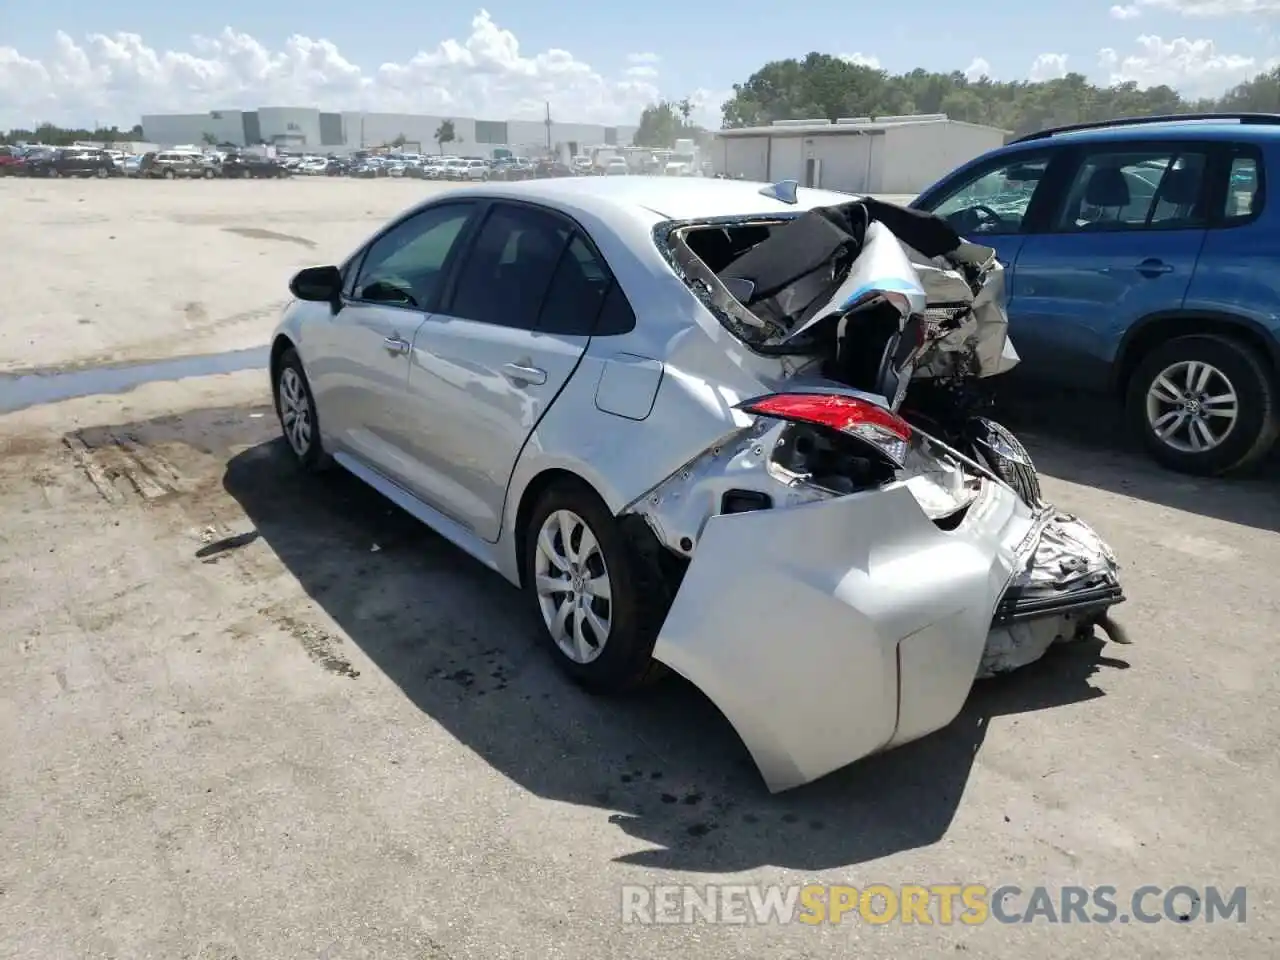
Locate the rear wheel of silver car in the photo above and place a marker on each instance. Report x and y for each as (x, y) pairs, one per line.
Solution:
(168, 175)
(296, 408)
(593, 591)
(1203, 405)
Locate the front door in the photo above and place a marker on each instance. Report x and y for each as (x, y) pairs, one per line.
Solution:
(490, 363)
(361, 369)
(1122, 244)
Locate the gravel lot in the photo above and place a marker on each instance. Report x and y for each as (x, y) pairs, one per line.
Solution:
(246, 715)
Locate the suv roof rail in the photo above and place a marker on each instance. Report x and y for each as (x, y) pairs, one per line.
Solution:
(1261, 119)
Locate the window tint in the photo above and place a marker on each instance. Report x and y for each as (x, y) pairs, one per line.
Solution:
(1243, 198)
(994, 202)
(1135, 190)
(577, 291)
(404, 266)
(510, 267)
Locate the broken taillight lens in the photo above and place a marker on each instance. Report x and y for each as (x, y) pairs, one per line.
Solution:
(883, 429)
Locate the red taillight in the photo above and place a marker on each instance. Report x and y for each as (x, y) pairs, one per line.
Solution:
(883, 429)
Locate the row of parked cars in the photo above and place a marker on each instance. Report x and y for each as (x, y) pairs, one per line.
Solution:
(164, 164)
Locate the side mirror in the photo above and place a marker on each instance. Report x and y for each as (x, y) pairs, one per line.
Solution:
(319, 284)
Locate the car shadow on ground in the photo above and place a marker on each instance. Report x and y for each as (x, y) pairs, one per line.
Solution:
(1082, 438)
(663, 766)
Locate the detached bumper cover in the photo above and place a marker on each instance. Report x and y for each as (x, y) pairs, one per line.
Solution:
(829, 631)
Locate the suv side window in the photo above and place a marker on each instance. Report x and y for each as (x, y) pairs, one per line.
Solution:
(509, 269)
(995, 200)
(1244, 188)
(1162, 188)
(404, 267)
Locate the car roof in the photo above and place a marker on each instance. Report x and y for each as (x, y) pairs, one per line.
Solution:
(671, 198)
(1173, 130)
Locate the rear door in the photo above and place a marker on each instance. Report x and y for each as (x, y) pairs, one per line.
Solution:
(1121, 242)
(358, 362)
(512, 330)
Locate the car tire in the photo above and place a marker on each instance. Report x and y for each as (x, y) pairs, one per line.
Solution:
(101, 173)
(622, 659)
(208, 174)
(1234, 371)
(1023, 478)
(296, 411)
(169, 174)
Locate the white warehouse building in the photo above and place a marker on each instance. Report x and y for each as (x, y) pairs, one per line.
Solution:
(887, 155)
(314, 130)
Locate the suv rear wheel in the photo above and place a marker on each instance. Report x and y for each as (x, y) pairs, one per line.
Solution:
(1203, 405)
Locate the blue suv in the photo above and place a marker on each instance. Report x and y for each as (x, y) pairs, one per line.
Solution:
(1142, 260)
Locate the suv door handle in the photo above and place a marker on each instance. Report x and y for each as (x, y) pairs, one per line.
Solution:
(397, 344)
(519, 373)
(1152, 267)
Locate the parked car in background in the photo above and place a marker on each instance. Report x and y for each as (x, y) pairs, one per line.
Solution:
(313, 167)
(175, 164)
(245, 166)
(551, 168)
(335, 167)
(10, 161)
(1141, 257)
(129, 166)
(70, 162)
(616, 167)
(455, 168)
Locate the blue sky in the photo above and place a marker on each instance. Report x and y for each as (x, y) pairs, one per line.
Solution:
(700, 48)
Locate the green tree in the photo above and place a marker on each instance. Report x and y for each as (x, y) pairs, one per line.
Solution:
(662, 123)
(399, 141)
(821, 86)
(445, 134)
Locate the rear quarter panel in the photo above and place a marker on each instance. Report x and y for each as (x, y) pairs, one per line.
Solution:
(1237, 277)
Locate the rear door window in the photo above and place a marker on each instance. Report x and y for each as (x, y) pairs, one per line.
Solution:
(1160, 188)
(509, 269)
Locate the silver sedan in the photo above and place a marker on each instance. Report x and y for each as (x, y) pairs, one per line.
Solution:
(541, 374)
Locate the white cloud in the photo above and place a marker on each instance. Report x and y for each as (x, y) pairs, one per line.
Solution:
(861, 60)
(1193, 67)
(1048, 66)
(978, 69)
(1130, 11)
(1205, 9)
(117, 78)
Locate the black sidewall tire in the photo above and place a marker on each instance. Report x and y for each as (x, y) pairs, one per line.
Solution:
(637, 611)
(315, 460)
(1256, 423)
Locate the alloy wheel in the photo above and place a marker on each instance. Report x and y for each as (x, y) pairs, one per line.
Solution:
(295, 411)
(1192, 406)
(573, 588)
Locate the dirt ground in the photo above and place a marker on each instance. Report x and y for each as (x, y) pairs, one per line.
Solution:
(246, 714)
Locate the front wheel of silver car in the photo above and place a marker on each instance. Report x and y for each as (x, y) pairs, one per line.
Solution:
(1203, 405)
(601, 600)
(296, 409)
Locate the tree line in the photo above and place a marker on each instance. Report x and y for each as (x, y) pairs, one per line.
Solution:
(821, 86)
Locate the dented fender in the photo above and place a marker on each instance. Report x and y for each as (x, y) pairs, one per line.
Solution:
(830, 630)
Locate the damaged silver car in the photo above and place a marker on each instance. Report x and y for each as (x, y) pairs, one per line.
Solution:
(728, 430)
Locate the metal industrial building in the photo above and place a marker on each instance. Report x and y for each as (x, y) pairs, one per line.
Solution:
(889, 155)
(306, 128)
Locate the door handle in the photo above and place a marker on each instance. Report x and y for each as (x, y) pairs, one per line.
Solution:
(396, 344)
(1153, 267)
(519, 373)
